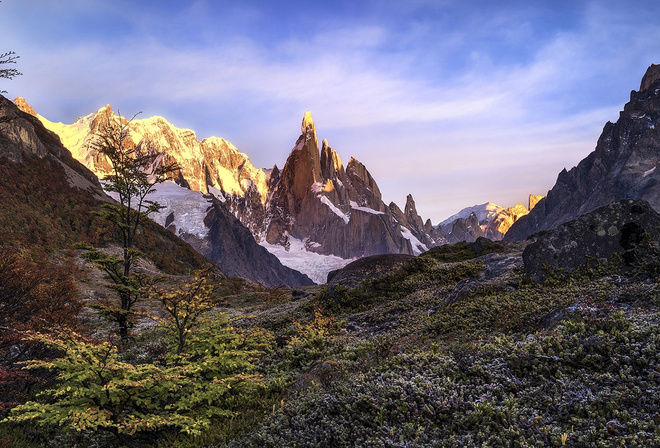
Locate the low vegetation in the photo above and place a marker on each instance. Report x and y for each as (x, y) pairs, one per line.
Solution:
(430, 355)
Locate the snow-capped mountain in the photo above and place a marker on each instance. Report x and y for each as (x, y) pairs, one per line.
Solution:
(488, 220)
(190, 212)
(314, 203)
(210, 165)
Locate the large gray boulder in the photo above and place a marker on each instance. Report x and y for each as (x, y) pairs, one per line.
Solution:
(625, 228)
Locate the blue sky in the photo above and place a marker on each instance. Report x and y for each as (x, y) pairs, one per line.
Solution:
(456, 102)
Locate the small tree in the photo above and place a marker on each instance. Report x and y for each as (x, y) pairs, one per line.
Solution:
(96, 391)
(8, 73)
(136, 170)
(186, 305)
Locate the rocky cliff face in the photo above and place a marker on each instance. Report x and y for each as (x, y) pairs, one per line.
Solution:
(623, 166)
(231, 245)
(621, 233)
(339, 210)
(22, 135)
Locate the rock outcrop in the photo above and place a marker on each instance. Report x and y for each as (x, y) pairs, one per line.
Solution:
(533, 200)
(367, 268)
(24, 106)
(465, 229)
(650, 77)
(623, 166)
(625, 228)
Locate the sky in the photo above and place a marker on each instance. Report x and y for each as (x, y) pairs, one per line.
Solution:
(455, 102)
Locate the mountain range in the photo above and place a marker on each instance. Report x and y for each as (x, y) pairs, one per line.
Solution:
(317, 214)
(25, 141)
(328, 213)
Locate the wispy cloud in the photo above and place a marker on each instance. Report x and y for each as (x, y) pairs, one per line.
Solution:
(457, 104)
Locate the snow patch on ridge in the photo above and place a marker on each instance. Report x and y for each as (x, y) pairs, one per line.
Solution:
(483, 211)
(217, 193)
(334, 209)
(315, 266)
(354, 206)
(189, 208)
(417, 246)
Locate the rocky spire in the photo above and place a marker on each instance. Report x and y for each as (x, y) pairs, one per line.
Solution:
(414, 220)
(652, 75)
(331, 164)
(311, 144)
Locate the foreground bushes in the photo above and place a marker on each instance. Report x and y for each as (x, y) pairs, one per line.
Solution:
(593, 381)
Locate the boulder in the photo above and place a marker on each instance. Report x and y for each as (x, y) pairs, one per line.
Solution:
(624, 227)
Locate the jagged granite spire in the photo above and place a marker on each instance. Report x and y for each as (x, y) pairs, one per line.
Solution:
(311, 144)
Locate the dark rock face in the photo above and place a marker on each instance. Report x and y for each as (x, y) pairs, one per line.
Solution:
(468, 229)
(623, 166)
(231, 245)
(622, 228)
(22, 135)
(652, 75)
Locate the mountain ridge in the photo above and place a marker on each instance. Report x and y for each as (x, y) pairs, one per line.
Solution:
(313, 198)
(622, 166)
(240, 256)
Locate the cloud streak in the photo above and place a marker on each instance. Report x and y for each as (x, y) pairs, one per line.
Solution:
(454, 104)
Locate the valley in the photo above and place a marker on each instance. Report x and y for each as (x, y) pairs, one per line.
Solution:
(294, 307)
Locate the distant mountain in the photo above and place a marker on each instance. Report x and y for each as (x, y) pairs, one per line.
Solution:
(187, 213)
(488, 220)
(48, 197)
(623, 166)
